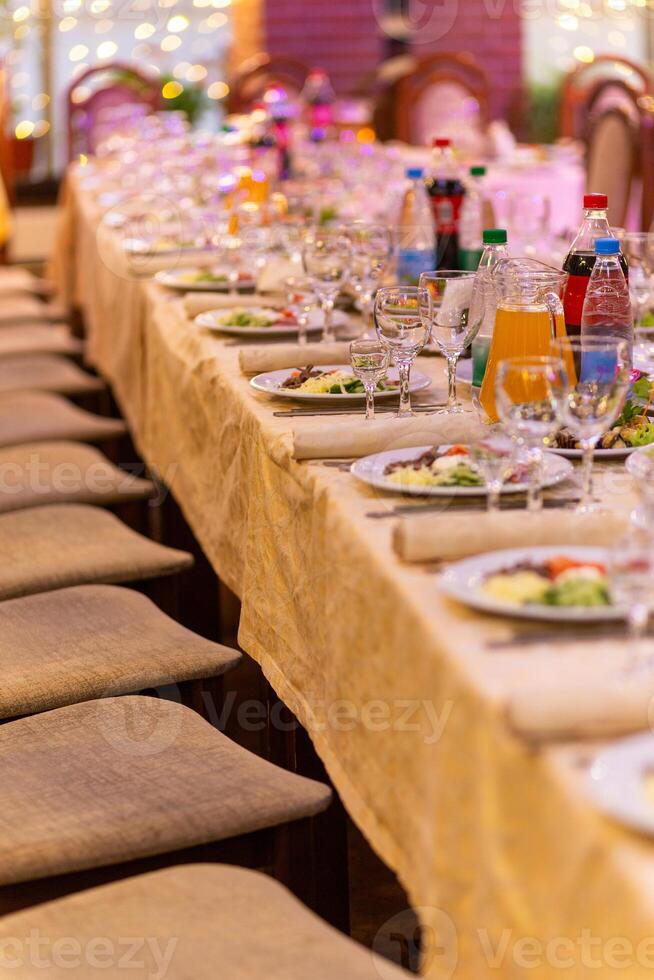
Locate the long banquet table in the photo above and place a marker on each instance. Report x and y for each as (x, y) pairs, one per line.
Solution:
(492, 836)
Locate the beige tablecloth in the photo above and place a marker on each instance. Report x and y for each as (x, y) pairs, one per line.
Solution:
(407, 703)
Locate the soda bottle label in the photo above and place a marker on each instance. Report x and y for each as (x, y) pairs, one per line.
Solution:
(411, 262)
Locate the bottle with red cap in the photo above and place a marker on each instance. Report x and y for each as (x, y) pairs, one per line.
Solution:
(580, 260)
(446, 190)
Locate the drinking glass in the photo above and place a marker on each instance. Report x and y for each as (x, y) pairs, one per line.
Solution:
(631, 576)
(638, 249)
(528, 395)
(327, 255)
(596, 372)
(369, 360)
(455, 321)
(644, 349)
(301, 301)
(403, 323)
(372, 251)
(494, 455)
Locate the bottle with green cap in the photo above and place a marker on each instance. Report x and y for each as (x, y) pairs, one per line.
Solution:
(472, 220)
(495, 248)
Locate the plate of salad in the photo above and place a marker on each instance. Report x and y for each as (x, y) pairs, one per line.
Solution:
(633, 429)
(334, 382)
(246, 321)
(202, 280)
(445, 471)
(547, 583)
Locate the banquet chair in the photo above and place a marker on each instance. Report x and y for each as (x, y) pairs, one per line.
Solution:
(38, 339)
(46, 372)
(40, 416)
(581, 86)
(201, 915)
(24, 308)
(17, 280)
(91, 641)
(42, 473)
(58, 545)
(103, 87)
(113, 787)
(259, 72)
(446, 94)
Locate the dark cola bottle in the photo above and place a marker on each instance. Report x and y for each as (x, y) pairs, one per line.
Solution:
(446, 191)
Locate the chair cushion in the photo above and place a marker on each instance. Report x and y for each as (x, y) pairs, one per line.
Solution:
(196, 916)
(38, 338)
(51, 547)
(31, 416)
(21, 309)
(119, 779)
(77, 644)
(13, 279)
(64, 472)
(46, 372)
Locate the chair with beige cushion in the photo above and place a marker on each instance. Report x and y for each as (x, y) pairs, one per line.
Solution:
(46, 372)
(116, 786)
(26, 309)
(38, 416)
(202, 921)
(39, 473)
(72, 645)
(59, 545)
(14, 279)
(38, 338)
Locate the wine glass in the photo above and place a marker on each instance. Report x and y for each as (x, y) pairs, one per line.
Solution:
(455, 321)
(327, 255)
(301, 302)
(403, 323)
(631, 577)
(494, 455)
(372, 251)
(528, 395)
(594, 395)
(638, 249)
(370, 359)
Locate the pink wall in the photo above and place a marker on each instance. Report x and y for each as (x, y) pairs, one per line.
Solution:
(345, 37)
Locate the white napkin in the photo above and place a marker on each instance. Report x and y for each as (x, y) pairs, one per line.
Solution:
(276, 357)
(446, 536)
(196, 303)
(337, 438)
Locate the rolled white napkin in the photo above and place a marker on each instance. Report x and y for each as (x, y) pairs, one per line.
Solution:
(276, 357)
(275, 272)
(147, 265)
(342, 438)
(196, 303)
(446, 536)
(588, 704)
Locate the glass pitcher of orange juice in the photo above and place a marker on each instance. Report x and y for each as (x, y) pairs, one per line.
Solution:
(529, 315)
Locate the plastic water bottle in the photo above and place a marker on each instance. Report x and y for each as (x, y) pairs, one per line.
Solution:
(607, 308)
(471, 221)
(417, 237)
(495, 248)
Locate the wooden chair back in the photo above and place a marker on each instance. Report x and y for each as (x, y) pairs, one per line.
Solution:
(256, 74)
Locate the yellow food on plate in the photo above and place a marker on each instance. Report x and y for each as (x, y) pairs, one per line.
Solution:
(518, 588)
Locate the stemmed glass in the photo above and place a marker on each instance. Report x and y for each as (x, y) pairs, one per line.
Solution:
(372, 251)
(528, 395)
(631, 576)
(596, 373)
(403, 322)
(455, 321)
(370, 359)
(638, 249)
(327, 255)
(301, 302)
(494, 455)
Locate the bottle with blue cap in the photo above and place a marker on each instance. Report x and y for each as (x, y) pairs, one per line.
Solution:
(607, 307)
(416, 232)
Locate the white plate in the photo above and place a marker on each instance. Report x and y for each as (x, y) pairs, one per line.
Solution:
(370, 469)
(174, 279)
(271, 381)
(211, 321)
(462, 581)
(148, 249)
(600, 454)
(617, 781)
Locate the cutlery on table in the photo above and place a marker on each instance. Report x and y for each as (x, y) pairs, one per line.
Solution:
(445, 505)
(389, 410)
